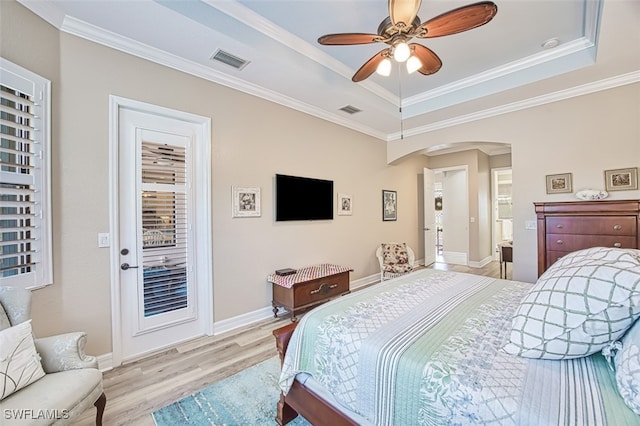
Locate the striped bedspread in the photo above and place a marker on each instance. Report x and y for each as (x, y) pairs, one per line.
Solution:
(425, 349)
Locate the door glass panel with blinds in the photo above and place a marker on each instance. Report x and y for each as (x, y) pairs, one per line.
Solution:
(165, 234)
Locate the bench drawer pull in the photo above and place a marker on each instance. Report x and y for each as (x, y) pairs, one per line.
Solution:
(324, 288)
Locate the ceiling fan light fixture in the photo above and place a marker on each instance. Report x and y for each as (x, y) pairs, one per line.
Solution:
(401, 52)
(413, 64)
(402, 25)
(384, 67)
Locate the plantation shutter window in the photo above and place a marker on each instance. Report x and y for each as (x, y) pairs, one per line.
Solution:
(25, 236)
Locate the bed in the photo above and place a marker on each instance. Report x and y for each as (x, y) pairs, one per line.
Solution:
(437, 347)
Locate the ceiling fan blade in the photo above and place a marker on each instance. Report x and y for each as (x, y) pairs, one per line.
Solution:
(348, 38)
(461, 19)
(370, 66)
(404, 11)
(431, 63)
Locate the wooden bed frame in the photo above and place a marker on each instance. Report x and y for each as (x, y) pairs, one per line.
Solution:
(300, 399)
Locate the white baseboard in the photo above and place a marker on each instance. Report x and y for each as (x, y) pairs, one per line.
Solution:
(249, 318)
(484, 262)
(243, 320)
(365, 281)
(455, 258)
(105, 362)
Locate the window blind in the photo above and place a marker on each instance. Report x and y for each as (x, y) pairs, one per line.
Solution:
(165, 232)
(24, 255)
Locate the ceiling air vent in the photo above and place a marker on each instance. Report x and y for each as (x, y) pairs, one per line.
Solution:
(349, 109)
(229, 59)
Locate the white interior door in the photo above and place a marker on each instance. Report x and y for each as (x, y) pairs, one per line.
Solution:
(429, 219)
(160, 303)
(455, 217)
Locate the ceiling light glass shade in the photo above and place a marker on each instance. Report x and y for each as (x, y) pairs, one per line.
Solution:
(413, 64)
(384, 67)
(401, 52)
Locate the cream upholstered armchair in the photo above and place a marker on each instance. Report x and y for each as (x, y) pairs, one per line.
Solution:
(43, 381)
(395, 259)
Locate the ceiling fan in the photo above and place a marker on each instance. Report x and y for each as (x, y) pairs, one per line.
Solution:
(402, 25)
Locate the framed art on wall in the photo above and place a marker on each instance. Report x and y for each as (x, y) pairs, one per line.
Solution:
(559, 183)
(389, 205)
(345, 205)
(621, 179)
(245, 202)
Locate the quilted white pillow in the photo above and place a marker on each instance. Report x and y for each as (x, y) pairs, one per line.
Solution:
(584, 301)
(19, 362)
(627, 362)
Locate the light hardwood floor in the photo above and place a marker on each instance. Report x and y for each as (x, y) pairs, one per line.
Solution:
(137, 389)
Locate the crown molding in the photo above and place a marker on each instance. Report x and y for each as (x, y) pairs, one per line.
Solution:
(508, 69)
(584, 89)
(101, 36)
(253, 20)
(236, 10)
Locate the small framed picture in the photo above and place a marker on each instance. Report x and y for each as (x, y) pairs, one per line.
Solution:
(389, 205)
(560, 183)
(245, 202)
(345, 205)
(621, 179)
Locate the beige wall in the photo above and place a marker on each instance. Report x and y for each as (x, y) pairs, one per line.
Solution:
(252, 141)
(584, 135)
(484, 218)
(500, 161)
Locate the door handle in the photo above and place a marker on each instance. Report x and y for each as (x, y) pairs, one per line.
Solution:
(126, 266)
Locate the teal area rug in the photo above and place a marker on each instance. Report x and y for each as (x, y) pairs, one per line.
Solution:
(247, 398)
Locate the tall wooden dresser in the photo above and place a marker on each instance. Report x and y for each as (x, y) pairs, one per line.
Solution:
(564, 227)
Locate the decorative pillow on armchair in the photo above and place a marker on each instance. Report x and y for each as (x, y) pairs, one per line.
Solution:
(395, 253)
(584, 301)
(19, 362)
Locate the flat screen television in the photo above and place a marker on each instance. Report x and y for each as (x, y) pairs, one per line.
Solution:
(303, 198)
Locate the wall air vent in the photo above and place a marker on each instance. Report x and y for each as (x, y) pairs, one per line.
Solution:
(229, 59)
(349, 109)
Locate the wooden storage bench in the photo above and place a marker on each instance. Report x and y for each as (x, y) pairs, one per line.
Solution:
(308, 287)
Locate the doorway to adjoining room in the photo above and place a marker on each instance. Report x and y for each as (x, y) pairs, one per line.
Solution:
(502, 208)
(502, 232)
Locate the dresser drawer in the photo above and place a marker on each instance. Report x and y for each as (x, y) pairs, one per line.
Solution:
(592, 225)
(553, 256)
(568, 243)
(567, 226)
(321, 289)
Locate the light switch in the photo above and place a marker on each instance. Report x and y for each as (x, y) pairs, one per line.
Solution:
(530, 224)
(104, 239)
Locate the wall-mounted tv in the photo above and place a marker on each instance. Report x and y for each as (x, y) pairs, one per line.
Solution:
(303, 198)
